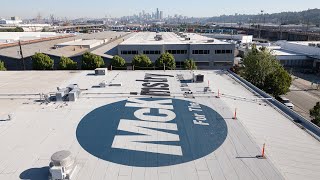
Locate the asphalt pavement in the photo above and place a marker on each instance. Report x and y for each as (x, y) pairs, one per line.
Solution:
(303, 95)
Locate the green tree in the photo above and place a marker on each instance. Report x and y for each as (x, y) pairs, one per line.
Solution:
(141, 60)
(67, 64)
(263, 70)
(166, 59)
(42, 62)
(315, 114)
(189, 64)
(118, 61)
(278, 82)
(91, 61)
(2, 66)
(18, 29)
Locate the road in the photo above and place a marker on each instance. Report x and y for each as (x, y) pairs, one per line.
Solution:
(303, 96)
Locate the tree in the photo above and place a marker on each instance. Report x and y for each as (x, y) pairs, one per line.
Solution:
(91, 61)
(2, 66)
(189, 64)
(67, 64)
(263, 70)
(278, 82)
(141, 61)
(42, 62)
(315, 114)
(166, 59)
(118, 61)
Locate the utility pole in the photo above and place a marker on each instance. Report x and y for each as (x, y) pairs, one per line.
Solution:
(22, 58)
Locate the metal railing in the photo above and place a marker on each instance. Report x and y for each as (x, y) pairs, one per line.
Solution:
(297, 118)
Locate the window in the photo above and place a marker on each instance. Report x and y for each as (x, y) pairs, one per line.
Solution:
(129, 52)
(223, 51)
(201, 52)
(151, 52)
(202, 63)
(206, 52)
(177, 51)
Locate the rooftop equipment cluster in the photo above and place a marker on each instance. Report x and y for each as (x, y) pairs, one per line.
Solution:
(314, 45)
(158, 37)
(70, 93)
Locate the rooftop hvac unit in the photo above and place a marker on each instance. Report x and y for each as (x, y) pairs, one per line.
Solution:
(158, 37)
(62, 166)
(188, 95)
(187, 39)
(100, 71)
(312, 44)
(103, 84)
(61, 94)
(199, 78)
(210, 40)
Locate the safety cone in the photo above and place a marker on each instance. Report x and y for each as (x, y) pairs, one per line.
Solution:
(218, 96)
(262, 156)
(235, 114)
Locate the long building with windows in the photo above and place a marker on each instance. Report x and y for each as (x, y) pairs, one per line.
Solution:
(208, 53)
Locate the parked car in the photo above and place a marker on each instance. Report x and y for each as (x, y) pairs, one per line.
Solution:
(285, 101)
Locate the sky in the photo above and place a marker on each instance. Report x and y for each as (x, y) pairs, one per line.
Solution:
(118, 8)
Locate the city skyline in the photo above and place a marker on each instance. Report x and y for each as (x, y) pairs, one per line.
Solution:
(107, 8)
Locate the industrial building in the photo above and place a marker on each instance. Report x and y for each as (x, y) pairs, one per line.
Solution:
(12, 21)
(206, 52)
(310, 49)
(82, 43)
(239, 38)
(56, 45)
(147, 125)
(13, 37)
(291, 54)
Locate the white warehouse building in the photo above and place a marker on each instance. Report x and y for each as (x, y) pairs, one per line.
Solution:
(241, 38)
(208, 53)
(310, 49)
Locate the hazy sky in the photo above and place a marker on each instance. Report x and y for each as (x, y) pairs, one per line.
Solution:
(117, 8)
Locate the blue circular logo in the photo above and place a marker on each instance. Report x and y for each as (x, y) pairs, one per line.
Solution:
(151, 132)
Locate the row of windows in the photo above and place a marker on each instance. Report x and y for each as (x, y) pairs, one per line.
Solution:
(180, 52)
(177, 51)
(200, 51)
(151, 52)
(129, 52)
(223, 51)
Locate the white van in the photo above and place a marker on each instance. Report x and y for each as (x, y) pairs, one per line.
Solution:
(286, 102)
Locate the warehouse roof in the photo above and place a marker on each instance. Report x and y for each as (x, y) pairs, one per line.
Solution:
(47, 46)
(148, 38)
(196, 137)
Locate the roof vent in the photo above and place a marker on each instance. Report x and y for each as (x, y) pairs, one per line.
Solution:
(62, 166)
(158, 37)
(100, 71)
(312, 44)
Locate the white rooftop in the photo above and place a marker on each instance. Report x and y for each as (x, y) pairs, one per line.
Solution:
(47, 46)
(80, 42)
(147, 38)
(305, 43)
(37, 130)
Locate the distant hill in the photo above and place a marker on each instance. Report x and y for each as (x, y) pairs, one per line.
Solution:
(311, 16)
